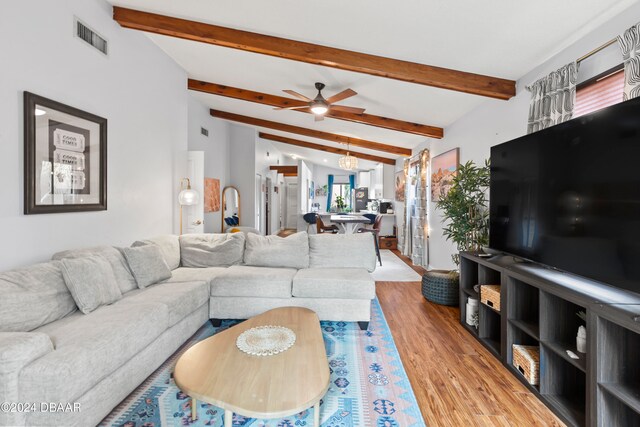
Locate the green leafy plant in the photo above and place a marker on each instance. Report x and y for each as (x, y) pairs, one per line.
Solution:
(582, 315)
(464, 208)
(340, 203)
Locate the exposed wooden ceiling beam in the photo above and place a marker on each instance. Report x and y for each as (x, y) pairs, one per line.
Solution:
(333, 150)
(342, 59)
(356, 142)
(285, 170)
(281, 101)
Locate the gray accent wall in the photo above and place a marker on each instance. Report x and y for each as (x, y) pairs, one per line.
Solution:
(137, 87)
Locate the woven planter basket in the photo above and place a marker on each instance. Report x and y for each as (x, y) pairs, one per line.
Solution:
(441, 287)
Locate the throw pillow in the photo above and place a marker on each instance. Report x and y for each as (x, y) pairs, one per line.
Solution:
(33, 296)
(91, 282)
(169, 245)
(211, 250)
(147, 264)
(274, 251)
(125, 279)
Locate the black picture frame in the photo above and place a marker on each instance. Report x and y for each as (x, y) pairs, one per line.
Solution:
(31, 173)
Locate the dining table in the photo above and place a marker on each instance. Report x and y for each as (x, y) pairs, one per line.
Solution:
(349, 224)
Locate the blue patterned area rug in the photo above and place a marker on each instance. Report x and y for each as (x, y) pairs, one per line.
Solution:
(369, 386)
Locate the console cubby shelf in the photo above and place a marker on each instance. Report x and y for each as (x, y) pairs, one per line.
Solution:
(538, 307)
(617, 373)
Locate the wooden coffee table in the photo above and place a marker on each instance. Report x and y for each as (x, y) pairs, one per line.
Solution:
(216, 372)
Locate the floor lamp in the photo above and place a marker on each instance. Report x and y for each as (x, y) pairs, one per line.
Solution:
(187, 197)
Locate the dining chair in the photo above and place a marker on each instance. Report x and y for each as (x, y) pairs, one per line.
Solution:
(321, 227)
(376, 234)
(371, 218)
(310, 218)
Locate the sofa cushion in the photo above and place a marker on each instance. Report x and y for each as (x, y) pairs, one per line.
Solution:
(147, 264)
(345, 283)
(190, 274)
(211, 250)
(273, 251)
(181, 299)
(245, 281)
(342, 251)
(90, 347)
(33, 296)
(125, 279)
(91, 282)
(169, 245)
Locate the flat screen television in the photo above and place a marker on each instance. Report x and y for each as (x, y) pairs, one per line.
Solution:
(569, 196)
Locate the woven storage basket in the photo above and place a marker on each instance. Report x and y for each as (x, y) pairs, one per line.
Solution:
(526, 359)
(441, 287)
(490, 295)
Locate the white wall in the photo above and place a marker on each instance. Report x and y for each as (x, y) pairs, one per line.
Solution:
(216, 152)
(248, 157)
(138, 88)
(242, 173)
(495, 122)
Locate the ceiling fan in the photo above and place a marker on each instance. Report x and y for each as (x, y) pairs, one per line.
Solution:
(319, 106)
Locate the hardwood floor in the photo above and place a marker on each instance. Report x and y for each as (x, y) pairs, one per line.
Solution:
(457, 382)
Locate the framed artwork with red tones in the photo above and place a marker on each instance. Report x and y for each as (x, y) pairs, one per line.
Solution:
(211, 195)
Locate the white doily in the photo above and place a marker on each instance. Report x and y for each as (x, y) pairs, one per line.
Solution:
(266, 340)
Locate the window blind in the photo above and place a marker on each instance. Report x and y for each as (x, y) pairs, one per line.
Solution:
(599, 94)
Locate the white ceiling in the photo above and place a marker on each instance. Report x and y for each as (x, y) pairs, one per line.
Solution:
(501, 38)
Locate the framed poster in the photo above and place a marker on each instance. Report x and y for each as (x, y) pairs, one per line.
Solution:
(65, 158)
(211, 195)
(400, 181)
(443, 169)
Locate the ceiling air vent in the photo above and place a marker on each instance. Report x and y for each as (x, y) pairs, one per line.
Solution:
(204, 131)
(88, 35)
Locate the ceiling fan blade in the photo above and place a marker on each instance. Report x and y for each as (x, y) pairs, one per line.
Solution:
(318, 118)
(297, 95)
(347, 93)
(354, 110)
(299, 107)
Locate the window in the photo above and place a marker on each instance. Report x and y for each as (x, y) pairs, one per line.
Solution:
(599, 92)
(343, 191)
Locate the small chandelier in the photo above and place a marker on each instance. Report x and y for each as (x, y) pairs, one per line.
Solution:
(348, 162)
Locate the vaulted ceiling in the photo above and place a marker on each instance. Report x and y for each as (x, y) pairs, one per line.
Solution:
(503, 39)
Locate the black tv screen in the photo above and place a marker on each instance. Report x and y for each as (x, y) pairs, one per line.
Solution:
(569, 196)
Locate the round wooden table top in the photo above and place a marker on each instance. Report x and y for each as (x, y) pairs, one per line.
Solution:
(217, 372)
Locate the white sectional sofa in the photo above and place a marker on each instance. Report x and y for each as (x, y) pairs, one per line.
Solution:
(51, 352)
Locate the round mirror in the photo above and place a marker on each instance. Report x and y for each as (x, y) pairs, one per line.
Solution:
(230, 207)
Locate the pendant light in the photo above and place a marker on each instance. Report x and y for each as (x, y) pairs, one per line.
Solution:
(187, 197)
(348, 162)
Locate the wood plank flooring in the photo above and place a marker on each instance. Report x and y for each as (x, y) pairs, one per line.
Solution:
(457, 382)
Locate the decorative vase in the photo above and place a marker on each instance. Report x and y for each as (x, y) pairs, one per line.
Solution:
(581, 340)
(472, 312)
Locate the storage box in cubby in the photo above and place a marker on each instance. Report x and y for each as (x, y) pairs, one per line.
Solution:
(526, 359)
(490, 296)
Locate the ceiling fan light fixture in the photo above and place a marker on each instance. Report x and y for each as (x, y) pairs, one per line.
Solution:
(319, 108)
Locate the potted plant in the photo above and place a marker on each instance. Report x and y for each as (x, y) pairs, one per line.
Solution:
(340, 203)
(466, 219)
(464, 209)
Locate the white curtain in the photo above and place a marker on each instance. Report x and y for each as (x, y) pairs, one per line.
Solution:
(629, 43)
(553, 98)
